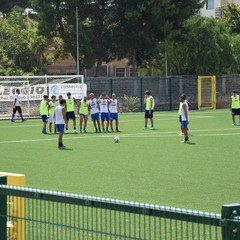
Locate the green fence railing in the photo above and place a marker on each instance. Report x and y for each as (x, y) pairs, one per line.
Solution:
(56, 215)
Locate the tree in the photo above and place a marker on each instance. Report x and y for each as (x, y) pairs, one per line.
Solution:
(231, 15)
(112, 28)
(21, 46)
(102, 23)
(61, 19)
(142, 24)
(203, 47)
(6, 6)
(95, 24)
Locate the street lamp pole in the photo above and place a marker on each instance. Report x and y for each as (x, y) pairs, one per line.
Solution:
(78, 67)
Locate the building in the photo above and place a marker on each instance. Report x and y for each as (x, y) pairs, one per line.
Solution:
(213, 8)
(67, 66)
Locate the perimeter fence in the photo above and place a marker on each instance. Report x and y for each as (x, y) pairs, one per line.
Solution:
(166, 91)
(27, 214)
(129, 91)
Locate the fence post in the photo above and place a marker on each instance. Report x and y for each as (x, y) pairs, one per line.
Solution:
(170, 94)
(141, 94)
(3, 211)
(231, 222)
(111, 86)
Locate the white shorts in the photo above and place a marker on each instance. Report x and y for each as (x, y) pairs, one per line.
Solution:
(51, 119)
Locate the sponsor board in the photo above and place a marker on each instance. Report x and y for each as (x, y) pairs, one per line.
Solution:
(77, 90)
(35, 92)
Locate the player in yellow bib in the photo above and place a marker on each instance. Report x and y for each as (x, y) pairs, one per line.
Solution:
(84, 111)
(234, 105)
(44, 112)
(149, 101)
(51, 109)
(70, 114)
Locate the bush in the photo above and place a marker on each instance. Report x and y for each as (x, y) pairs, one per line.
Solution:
(130, 104)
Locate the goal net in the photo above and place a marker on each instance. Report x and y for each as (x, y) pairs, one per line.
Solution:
(33, 88)
(206, 92)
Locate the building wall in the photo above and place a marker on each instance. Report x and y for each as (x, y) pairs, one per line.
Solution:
(67, 65)
(216, 10)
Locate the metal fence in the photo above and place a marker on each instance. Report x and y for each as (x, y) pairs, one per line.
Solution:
(166, 91)
(27, 214)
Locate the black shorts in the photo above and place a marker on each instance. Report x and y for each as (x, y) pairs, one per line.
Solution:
(44, 118)
(180, 118)
(70, 115)
(148, 115)
(17, 108)
(235, 111)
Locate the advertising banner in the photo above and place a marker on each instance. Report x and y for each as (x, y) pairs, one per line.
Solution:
(77, 90)
(34, 92)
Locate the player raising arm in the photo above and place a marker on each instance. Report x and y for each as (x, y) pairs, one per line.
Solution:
(114, 109)
(104, 109)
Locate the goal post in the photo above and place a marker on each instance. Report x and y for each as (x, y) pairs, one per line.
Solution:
(206, 92)
(33, 88)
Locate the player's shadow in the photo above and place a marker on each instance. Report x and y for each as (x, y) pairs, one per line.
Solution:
(190, 143)
(66, 149)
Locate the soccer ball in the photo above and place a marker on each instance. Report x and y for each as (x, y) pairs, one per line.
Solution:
(116, 139)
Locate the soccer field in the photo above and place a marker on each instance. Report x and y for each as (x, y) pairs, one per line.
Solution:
(149, 166)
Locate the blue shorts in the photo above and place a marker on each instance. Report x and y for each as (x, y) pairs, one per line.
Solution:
(95, 116)
(184, 124)
(114, 116)
(44, 118)
(70, 115)
(60, 128)
(105, 116)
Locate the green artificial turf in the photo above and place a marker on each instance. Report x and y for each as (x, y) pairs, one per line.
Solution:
(149, 166)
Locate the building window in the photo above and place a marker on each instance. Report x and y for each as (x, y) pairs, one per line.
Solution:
(210, 4)
(120, 72)
(131, 72)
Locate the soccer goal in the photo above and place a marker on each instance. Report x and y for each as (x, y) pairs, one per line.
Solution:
(33, 88)
(206, 92)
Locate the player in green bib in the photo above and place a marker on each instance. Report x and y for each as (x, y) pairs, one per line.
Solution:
(70, 114)
(234, 105)
(44, 112)
(51, 108)
(84, 111)
(149, 101)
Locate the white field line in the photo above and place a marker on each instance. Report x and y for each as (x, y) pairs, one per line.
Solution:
(22, 125)
(167, 119)
(136, 135)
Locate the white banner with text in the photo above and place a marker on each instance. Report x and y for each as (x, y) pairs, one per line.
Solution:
(34, 92)
(77, 90)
